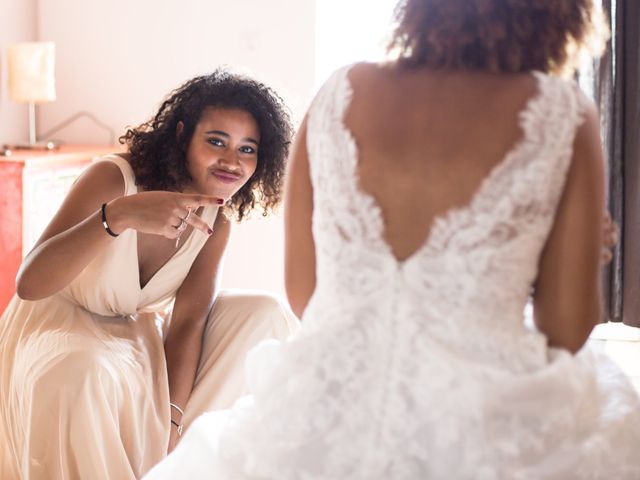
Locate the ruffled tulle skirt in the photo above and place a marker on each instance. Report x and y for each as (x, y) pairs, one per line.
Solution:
(321, 413)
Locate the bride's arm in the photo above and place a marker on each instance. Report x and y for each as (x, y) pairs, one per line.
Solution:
(567, 301)
(300, 264)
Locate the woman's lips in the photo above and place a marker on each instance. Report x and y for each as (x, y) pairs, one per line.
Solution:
(226, 177)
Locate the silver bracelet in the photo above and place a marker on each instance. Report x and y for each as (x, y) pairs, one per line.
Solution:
(173, 405)
(178, 427)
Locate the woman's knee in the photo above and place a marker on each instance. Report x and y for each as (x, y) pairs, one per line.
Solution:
(257, 310)
(71, 372)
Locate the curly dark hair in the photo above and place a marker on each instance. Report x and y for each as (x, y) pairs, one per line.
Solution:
(158, 155)
(498, 36)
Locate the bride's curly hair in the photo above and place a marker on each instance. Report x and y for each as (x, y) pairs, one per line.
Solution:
(158, 155)
(498, 36)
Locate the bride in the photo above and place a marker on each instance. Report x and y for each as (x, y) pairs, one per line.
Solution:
(428, 199)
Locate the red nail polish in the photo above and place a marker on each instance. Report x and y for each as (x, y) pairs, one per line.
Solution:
(209, 231)
(220, 201)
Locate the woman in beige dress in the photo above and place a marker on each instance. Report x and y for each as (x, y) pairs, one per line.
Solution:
(95, 384)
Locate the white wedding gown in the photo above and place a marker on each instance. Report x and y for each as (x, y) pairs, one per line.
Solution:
(423, 369)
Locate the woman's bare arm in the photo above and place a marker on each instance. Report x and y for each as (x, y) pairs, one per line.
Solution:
(194, 300)
(75, 235)
(567, 300)
(300, 261)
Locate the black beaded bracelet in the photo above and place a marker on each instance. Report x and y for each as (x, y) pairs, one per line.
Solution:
(104, 221)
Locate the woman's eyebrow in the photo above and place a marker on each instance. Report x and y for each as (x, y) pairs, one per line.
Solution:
(218, 132)
(225, 134)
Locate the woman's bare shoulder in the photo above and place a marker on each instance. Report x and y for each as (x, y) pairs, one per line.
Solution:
(103, 176)
(366, 72)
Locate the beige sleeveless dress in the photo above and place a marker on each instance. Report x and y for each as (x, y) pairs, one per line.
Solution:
(83, 381)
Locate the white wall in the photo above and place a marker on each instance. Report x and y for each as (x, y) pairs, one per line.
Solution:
(119, 58)
(17, 24)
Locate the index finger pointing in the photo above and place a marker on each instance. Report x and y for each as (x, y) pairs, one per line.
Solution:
(203, 200)
(199, 224)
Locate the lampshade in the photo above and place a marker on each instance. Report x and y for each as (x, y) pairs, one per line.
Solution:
(31, 72)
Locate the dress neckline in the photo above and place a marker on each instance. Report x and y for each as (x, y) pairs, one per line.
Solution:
(444, 221)
(132, 188)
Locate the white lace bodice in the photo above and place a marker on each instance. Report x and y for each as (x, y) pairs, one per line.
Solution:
(475, 270)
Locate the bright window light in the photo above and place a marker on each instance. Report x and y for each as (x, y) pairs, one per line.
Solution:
(349, 31)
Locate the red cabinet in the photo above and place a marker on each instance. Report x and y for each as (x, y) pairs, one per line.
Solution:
(33, 184)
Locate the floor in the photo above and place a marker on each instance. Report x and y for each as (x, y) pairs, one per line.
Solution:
(622, 343)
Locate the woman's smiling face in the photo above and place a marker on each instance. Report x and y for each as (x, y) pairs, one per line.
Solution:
(223, 151)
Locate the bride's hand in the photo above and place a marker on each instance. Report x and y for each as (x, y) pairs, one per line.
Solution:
(159, 212)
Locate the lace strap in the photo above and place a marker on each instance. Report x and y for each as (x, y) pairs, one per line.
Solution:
(333, 158)
(325, 114)
(564, 116)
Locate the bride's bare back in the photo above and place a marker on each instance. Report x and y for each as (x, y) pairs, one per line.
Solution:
(426, 140)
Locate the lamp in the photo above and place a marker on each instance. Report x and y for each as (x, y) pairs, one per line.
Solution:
(32, 80)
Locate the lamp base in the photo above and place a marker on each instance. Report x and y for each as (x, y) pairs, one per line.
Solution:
(49, 145)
